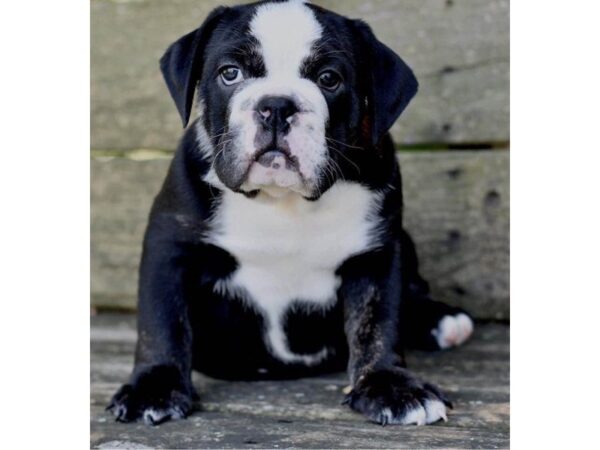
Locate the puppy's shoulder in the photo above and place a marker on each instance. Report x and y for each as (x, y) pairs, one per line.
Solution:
(185, 200)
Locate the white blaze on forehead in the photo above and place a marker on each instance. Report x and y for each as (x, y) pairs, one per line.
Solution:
(286, 32)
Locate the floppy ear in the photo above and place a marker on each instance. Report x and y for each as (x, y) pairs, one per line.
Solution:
(181, 65)
(390, 83)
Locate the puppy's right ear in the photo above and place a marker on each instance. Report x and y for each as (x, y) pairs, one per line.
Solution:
(181, 65)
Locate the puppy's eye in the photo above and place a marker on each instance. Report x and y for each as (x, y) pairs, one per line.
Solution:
(231, 75)
(329, 80)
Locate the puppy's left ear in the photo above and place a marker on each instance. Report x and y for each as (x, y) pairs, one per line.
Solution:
(181, 65)
(390, 83)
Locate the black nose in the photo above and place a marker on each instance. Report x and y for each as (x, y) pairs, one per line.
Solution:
(274, 112)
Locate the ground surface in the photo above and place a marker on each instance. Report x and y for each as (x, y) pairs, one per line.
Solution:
(307, 413)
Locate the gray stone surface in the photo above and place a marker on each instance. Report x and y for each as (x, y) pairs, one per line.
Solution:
(459, 50)
(307, 413)
(457, 208)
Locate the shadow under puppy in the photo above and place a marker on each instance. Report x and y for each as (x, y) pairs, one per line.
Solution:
(275, 248)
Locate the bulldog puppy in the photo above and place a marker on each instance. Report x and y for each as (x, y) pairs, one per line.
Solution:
(275, 248)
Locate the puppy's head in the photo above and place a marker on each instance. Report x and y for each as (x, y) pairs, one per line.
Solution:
(290, 95)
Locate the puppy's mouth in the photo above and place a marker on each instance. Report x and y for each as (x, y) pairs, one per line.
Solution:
(274, 169)
(276, 158)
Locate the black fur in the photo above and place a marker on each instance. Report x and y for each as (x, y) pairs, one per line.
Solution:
(383, 303)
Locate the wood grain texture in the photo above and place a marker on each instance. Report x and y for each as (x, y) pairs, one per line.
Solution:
(458, 211)
(307, 413)
(459, 50)
(457, 208)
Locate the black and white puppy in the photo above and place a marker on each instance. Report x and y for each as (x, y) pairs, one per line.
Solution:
(275, 248)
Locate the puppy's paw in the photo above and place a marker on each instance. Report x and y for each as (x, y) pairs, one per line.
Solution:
(155, 396)
(452, 331)
(397, 397)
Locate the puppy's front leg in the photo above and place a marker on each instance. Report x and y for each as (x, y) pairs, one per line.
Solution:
(382, 388)
(160, 386)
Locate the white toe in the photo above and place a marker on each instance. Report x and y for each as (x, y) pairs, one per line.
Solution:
(154, 415)
(387, 414)
(416, 416)
(434, 411)
(119, 410)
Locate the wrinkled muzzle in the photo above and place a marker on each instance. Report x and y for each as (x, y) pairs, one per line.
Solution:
(275, 141)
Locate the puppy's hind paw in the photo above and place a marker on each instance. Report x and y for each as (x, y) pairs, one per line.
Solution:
(453, 331)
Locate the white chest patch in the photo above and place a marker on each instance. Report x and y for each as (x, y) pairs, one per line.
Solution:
(289, 249)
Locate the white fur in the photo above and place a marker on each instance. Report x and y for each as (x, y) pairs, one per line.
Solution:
(453, 330)
(154, 416)
(430, 412)
(416, 416)
(281, 177)
(288, 249)
(387, 415)
(434, 411)
(286, 32)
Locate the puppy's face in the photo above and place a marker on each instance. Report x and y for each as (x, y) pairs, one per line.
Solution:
(267, 92)
(284, 93)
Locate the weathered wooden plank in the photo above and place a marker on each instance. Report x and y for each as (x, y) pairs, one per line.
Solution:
(458, 48)
(458, 211)
(307, 413)
(122, 191)
(457, 208)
